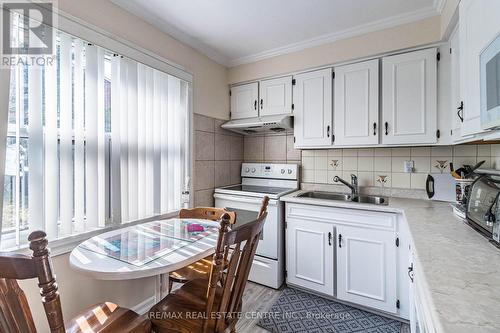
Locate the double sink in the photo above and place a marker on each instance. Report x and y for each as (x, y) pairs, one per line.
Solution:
(369, 199)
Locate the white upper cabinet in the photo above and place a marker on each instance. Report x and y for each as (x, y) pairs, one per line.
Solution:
(275, 96)
(356, 103)
(409, 98)
(455, 93)
(313, 109)
(366, 264)
(244, 101)
(479, 24)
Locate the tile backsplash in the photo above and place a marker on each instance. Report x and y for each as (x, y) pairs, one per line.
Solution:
(375, 167)
(217, 158)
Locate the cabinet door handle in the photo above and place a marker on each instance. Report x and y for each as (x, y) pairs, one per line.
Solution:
(374, 128)
(330, 238)
(460, 112)
(261, 103)
(410, 272)
(340, 240)
(328, 131)
(255, 104)
(386, 128)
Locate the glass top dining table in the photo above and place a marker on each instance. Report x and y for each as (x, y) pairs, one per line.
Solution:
(153, 248)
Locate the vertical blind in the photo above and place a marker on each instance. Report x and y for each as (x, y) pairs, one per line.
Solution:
(107, 140)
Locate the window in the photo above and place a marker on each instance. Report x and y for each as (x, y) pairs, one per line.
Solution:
(97, 139)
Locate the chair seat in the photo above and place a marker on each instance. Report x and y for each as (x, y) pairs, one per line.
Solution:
(198, 270)
(178, 311)
(108, 318)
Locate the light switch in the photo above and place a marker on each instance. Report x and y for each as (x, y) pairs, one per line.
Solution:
(408, 166)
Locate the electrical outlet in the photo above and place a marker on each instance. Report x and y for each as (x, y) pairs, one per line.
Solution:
(408, 166)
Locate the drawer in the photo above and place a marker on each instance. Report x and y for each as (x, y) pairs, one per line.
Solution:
(353, 217)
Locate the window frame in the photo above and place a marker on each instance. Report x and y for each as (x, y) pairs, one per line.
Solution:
(86, 31)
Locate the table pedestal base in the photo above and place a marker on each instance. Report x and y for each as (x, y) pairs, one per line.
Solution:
(161, 286)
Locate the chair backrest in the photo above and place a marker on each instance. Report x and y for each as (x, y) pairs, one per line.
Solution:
(207, 213)
(15, 314)
(242, 242)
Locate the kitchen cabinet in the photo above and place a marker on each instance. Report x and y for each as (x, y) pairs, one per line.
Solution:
(420, 316)
(275, 96)
(244, 101)
(478, 25)
(455, 94)
(310, 255)
(356, 103)
(409, 98)
(313, 109)
(366, 267)
(349, 254)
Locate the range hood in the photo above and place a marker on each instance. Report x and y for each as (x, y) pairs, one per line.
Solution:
(266, 124)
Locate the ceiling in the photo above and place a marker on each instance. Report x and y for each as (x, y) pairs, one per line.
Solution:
(234, 32)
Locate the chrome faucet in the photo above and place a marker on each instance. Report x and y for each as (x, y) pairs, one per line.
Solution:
(353, 186)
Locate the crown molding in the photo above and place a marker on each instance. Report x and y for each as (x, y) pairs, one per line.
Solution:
(156, 21)
(439, 5)
(222, 59)
(386, 23)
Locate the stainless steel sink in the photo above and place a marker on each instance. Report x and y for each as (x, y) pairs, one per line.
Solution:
(374, 200)
(326, 196)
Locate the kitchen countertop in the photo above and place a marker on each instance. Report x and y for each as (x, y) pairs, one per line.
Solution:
(459, 268)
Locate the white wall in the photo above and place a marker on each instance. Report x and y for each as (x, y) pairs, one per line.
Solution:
(409, 35)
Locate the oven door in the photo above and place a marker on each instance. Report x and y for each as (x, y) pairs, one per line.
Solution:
(247, 209)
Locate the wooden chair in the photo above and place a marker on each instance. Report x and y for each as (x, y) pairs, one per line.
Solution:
(201, 268)
(15, 314)
(203, 305)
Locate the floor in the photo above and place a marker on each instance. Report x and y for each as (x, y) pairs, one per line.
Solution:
(257, 299)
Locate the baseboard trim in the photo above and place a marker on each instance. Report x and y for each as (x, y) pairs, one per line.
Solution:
(144, 306)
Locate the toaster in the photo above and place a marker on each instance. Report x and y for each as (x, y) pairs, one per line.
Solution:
(483, 206)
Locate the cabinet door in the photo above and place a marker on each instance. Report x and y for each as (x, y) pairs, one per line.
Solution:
(366, 267)
(310, 255)
(409, 102)
(355, 109)
(313, 109)
(479, 25)
(244, 100)
(455, 94)
(275, 96)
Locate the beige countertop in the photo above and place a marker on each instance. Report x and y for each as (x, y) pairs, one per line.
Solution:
(460, 269)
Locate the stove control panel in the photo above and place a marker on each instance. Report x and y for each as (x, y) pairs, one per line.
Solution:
(269, 170)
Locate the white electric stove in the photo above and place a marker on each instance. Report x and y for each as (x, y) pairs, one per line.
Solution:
(259, 180)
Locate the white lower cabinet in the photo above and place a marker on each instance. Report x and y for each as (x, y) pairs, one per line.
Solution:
(349, 254)
(310, 256)
(366, 267)
(420, 316)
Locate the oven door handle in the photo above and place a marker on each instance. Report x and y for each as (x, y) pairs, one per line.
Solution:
(237, 198)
